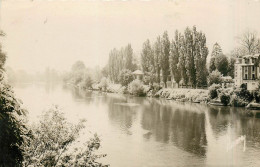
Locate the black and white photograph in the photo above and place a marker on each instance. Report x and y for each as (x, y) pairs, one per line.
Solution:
(129, 83)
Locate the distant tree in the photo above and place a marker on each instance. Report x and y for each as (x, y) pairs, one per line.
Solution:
(125, 77)
(231, 67)
(195, 53)
(216, 51)
(175, 57)
(221, 62)
(201, 53)
(147, 56)
(157, 50)
(214, 78)
(164, 60)
(88, 82)
(104, 71)
(51, 143)
(119, 60)
(129, 60)
(103, 84)
(250, 42)
(78, 66)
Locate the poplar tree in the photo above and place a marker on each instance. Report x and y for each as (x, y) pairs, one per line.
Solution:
(157, 55)
(175, 57)
(164, 60)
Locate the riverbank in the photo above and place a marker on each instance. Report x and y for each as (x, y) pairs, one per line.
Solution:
(191, 95)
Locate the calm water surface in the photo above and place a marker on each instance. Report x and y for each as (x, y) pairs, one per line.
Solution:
(147, 132)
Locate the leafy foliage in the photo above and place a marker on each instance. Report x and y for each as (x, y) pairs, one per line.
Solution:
(136, 88)
(175, 57)
(213, 91)
(52, 140)
(119, 60)
(12, 123)
(224, 98)
(125, 77)
(12, 127)
(164, 60)
(103, 84)
(214, 78)
(221, 63)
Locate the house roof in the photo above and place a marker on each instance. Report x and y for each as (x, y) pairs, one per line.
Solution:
(138, 72)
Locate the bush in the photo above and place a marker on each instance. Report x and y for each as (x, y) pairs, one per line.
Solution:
(51, 140)
(136, 88)
(103, 84)
(256, 95)
(224, 98)
(125, 77)
(12, 126)
(244, 94)
(238, 102)
(213, 91)
(214, 77)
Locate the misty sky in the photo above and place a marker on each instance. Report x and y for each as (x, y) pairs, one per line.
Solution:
(57, 33)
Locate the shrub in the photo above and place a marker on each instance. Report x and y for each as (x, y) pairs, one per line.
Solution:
(51, 140)
(213, 91)
(12, 127)
(238, 102)
(244, 94)
(214, 77)
(125, 77)
(136, 88)
(256, 95)
(224, 98)
(103, 84)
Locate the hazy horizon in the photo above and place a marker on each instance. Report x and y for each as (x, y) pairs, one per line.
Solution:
(57, 33)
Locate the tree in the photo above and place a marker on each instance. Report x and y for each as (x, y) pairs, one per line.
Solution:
(201, 53)
(88, 82)
(164, 60)
(125, 77)
(250, 42)
(222, 64)
(78, 66)
(12, 125)
(119, 60)
(214, 77)
(195, 53)
(216, 51)
(147, 57)
(157, 55)
(231, 67)
(129, 58)
(51, 143)
(175, 58)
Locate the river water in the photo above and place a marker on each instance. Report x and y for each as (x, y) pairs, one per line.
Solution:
(148, 132)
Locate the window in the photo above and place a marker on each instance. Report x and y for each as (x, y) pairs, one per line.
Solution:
(253, 76)
(245, 76)
(253, 68)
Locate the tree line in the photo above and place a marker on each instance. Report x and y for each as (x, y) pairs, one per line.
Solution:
(183, 58)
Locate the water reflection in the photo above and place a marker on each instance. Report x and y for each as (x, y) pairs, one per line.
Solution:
(158, 131)
(176, 124)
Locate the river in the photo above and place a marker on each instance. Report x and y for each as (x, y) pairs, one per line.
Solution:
(148, 132)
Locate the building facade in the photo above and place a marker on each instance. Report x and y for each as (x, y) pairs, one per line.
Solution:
(247, 71)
